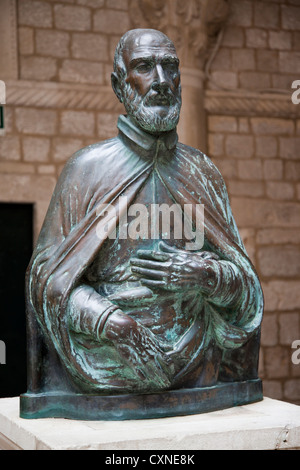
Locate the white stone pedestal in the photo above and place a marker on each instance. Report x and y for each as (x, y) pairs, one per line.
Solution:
(267, 425)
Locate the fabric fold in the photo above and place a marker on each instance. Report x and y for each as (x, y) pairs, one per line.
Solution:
(68, 243)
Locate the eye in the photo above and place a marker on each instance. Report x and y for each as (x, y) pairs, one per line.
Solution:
(171, 67)
(144, 67)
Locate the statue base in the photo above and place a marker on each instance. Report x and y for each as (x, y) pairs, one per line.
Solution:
(141, 406)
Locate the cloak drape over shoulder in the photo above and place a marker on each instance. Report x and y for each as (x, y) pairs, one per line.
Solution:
(68, 243)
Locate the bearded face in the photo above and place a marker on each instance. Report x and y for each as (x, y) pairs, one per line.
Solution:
(146, 79)
(157, 111)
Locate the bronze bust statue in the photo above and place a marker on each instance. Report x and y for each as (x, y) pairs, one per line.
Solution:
(128, 317)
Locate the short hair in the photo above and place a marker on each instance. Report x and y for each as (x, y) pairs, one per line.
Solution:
(119, 65)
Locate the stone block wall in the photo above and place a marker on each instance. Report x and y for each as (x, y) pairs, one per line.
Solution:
(62, 101)
(39, 141)
(70, 42)
(259, 158)
(260, 48)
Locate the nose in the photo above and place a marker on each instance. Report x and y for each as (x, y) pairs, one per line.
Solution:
(160, 78)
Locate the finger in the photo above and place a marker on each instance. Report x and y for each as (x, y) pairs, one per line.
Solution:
(167, 248)
(154, 283)
(152, 255)
(150, 264)
(149, 272)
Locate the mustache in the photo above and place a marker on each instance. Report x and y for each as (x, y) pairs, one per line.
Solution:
(145, 115)
(159, 97)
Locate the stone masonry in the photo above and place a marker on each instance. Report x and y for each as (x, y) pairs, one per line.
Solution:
(260, 161)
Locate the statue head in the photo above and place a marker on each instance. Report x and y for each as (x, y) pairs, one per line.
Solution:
(146, 79)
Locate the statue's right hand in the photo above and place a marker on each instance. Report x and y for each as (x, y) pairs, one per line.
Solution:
(140, 349)
(119, 326)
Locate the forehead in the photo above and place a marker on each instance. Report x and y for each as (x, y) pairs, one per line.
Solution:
(148, 45)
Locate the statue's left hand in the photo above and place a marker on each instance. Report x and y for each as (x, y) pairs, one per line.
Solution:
(176, 270)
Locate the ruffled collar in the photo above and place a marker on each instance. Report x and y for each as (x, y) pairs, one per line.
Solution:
(145, 140)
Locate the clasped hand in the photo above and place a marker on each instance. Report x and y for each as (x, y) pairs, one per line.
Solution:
(173, 269)
(170, 269)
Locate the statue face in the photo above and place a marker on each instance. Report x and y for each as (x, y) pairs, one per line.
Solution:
(152, 91)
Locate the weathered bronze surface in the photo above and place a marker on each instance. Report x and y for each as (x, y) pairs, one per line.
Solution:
(127, 318)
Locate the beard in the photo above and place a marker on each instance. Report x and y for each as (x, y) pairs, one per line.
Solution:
(155, 112)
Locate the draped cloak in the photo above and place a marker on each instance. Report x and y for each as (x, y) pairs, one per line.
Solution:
(68, 244)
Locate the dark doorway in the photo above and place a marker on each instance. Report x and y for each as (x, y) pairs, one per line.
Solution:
(16, 240)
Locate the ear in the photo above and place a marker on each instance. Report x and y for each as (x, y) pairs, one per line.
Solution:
(116, 86)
